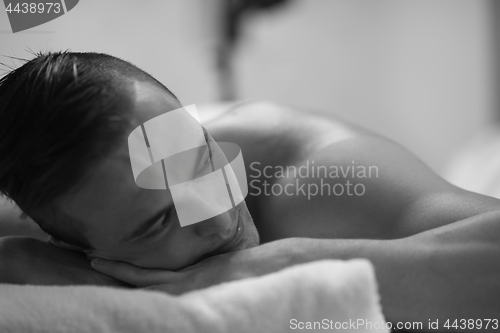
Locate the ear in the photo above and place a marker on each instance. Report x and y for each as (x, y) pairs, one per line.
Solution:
(63, 245)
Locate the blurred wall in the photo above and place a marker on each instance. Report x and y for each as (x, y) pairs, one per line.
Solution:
(171, 39)
(420, 72)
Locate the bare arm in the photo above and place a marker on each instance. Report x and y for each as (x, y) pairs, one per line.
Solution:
(451, 272)
(25, 260)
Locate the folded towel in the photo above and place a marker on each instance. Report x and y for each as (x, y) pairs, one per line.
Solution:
(328, 294)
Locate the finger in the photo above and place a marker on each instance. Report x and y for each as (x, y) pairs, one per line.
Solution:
(63, 245)
(137, 276)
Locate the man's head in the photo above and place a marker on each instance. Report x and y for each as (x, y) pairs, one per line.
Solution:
(64, 122)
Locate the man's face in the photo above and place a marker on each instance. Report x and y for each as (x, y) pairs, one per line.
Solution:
(127, 223)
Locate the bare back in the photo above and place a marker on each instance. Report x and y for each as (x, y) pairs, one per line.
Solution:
(311, 175)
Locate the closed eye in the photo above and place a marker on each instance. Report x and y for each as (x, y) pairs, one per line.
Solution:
(161, 224)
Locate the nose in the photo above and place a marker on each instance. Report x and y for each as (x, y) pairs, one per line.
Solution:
(220, 224)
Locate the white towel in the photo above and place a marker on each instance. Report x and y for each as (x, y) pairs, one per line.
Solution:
(324, 293)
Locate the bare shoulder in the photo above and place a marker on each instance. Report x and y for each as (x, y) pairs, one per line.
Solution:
(354, 183)
(276, 119)
(280, 132)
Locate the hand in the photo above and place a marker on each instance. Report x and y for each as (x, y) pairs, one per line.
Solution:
(25, 260)
(260, 260)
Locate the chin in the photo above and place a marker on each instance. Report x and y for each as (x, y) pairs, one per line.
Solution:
(252, 238)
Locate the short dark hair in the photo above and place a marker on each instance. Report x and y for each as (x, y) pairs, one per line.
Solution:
(60, 113)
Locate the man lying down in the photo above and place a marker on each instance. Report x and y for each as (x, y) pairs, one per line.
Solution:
(64, 159)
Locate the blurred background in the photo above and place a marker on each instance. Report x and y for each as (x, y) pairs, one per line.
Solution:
(422, 72)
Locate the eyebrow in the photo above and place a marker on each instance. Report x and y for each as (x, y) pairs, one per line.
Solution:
(147, 224)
